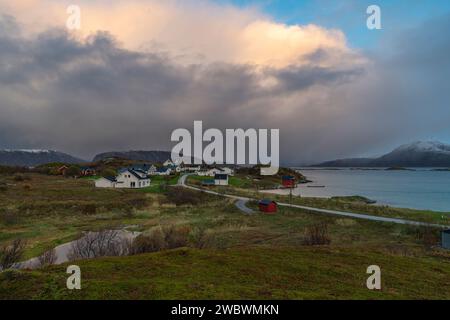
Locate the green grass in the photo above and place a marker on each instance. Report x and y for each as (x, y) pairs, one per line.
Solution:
(240, 273)
(255, 257)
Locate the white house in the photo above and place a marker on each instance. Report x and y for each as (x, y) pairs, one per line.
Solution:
(212, 172)
(129, 178)
(106, 182)
(163, 171)
(192, 168)
(149, 169)
(168, 163)
(221, 179)
(228, 171)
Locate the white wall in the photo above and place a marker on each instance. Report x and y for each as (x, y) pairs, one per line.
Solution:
(104, 183)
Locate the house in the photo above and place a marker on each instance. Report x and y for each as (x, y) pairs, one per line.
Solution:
(191, 168)
(149, 169)
(267, 206)
(168, 163)
(87, 171)
(221, 179)
(106, 182)
(129, 178)
(227, 171)
(208, 183)
(445, 239)
(213, 171)
(288, 181)
(163, 171)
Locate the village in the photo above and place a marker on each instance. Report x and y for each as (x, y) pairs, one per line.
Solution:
(140, 176)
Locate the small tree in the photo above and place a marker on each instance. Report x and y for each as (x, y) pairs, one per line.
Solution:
(108, 172)
(11, 254)
(47, 258)
(73, 171)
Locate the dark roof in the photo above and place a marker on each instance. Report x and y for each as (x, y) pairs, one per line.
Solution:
(163, 169)
(112, 179)
(266, 202)
(135, 173)
(220, 176)
(446, 231)
(140, 166)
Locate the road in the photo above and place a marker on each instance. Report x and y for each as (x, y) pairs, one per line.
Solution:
(242, 205)
(242, 200)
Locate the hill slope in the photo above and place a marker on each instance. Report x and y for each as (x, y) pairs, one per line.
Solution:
(30, 158)
(417, 154)
(239, 273)
(150, 156)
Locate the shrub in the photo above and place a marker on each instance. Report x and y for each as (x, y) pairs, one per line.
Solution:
(108, 172)
(176, 237)
(3, 187)
(105, 243)
(152, 242)
(89, 209)
(47, 258)
(137, 203)
(200, 238)
(11, 254)
(73, 171)
(27, 187)
(19, 178)
(428, 236)
(317, 234)
(9, 217)
(181, 196)
(168, 237)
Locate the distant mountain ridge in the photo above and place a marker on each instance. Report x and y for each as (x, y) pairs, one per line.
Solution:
(31, 158)
(149, 156)
(416, 154)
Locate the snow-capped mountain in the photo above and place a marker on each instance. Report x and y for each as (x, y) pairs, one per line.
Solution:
(425, 146)
(416, 154)
(34, 157)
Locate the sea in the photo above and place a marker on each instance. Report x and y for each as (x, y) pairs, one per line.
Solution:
(415, 188)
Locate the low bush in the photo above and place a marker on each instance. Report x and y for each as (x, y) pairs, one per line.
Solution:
(9, 217)
(182, 196)
(428, 236)
(176, 237)
(47, 258)
(11, 254)
(153, 242)
(317, 234)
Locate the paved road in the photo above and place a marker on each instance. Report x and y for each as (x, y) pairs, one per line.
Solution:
(242, 205)
(182, 182)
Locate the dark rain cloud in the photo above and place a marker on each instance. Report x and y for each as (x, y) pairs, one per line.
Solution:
(90, 97)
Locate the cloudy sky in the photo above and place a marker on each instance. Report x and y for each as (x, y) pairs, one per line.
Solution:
(137, 70)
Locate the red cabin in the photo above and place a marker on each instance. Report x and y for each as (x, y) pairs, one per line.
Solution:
(267, 206)
(288, 181)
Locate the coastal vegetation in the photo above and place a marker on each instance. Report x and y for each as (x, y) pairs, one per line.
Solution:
(293, 254)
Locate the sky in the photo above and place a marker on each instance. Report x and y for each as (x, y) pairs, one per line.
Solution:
(139, 69)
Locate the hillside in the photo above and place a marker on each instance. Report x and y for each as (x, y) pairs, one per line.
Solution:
(238, 273)
(149, 156)
(417, 154)
(31, 158)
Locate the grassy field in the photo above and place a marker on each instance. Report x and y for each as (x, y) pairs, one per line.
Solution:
(239, 273)
(257, 256)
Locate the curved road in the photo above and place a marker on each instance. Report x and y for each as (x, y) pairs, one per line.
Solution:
(243, 200)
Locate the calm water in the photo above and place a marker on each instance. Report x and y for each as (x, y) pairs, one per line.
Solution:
(420, 189)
